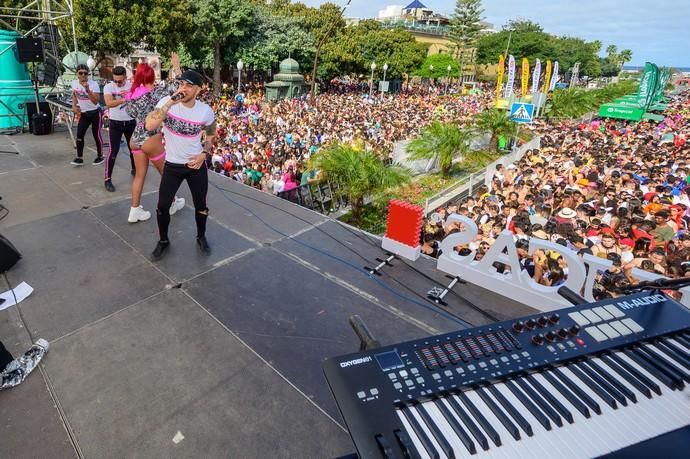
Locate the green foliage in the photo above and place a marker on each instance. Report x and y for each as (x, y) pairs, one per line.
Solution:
(440, 63)
(360, 173)
(464, 24)
(496, 122)
(527, 39)
(118, 25)
(356, 47)
(443, 140)
(273, 38)
(575, 102)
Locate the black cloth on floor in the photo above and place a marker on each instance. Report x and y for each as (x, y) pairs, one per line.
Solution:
(5, 357)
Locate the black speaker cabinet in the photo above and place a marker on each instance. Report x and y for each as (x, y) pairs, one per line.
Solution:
(45, 120)
(9, 255)
(29, 50)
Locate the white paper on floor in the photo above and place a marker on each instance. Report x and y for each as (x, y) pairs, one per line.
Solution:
(21, 291)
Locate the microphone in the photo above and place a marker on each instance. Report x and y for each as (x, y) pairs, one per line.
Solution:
(177, 96)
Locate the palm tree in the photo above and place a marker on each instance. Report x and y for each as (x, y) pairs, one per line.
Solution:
(496, 122)
(359, 173)
(442, 140)
(624, 56)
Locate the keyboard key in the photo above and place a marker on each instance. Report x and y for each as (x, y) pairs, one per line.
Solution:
(558, 406)
(626, 375)
(510, 409)
(409, 429)
(420, 431)
(618, 357)
(676, 380)
(669, 364)
(479, 417)
(460, 412)
(539, 400)
(500, 415)
(581, 407)
(455, 425)
(673, 352)
(604, 379)
(605, 396)
(574, 385)
(433, 428)
(531, 407)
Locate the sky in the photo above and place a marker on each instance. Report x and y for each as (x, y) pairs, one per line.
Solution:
(655, 30)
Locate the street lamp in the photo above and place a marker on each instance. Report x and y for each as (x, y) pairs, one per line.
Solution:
(371, 82)
(240, 66)
(448, 77)
(385, 69)
(431, 75)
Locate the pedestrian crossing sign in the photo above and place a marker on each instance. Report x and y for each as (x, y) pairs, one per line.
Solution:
(521, 113)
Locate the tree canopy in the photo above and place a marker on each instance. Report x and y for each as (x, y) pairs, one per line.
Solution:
(436, 66)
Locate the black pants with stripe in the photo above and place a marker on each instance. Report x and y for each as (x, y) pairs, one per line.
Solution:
(91, 118)
(116, 130)
(172, 178)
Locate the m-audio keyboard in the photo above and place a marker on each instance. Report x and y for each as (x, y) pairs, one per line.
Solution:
(586, 381)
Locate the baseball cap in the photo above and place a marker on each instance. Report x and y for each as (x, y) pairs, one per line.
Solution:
(191, 77)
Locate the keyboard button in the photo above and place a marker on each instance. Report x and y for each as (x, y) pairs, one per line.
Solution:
(614, 311)
(632, 325)
(579, 318)
(603, 313)
(620, 328)
(597, 334)
(608, 331)
(591, 316)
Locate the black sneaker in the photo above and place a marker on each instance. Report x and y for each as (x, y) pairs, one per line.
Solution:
(77, 161)
(160, 250)
(109, 186)
(202, 243)
(98, 160)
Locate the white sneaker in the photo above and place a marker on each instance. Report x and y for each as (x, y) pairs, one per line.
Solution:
(177, 204)
(138, 214)
(43, 343)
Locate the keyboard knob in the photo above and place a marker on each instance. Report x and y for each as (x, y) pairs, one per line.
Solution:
(562, 333)
(554, 318)
(542, 321)
(519, 326)
(530, 324)
(538, 339)
(574, 330)
(550, 336)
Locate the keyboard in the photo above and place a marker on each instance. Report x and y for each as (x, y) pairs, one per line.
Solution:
(605, 378)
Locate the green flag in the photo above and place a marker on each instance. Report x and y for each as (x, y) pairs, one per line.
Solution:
(647, 85)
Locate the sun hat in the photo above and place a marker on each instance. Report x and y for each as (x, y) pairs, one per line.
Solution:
(567, 212)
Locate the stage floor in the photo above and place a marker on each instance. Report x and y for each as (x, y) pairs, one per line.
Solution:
(193, 356)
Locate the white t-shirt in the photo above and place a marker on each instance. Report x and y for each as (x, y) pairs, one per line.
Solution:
(85, 104)
(182, 130)
(118, 93)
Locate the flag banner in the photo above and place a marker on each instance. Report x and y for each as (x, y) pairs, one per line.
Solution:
(535, 76)
(547, 77)
(575, 74)
(525, 76)
(647, 85)
(511, 76)
(554, 77)
(501, 70)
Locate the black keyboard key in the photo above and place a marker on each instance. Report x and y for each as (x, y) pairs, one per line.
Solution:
(479, 417)
(467, 420)
(433, 428)
(539, 400)
(512, 411)
(538, 415)
(406, 445)
(682, 339)
(579, 406)
(455, 425)
(672, 368)
(603, 383)
(573, 386)
(385, 446)
(676, 381)
(636, 373)
(421, 434)
(651, 369)
(555, 403)
(605, 396)
(675, 353)
(612, 380)
(632, 380)
(500, 415)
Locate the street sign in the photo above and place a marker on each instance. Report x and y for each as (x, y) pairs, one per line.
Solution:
(521, 113)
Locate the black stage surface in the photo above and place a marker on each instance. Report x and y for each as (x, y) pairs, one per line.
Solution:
(194, 356)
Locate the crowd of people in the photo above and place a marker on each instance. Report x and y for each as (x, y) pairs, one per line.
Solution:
(268, 144)
(613, 189)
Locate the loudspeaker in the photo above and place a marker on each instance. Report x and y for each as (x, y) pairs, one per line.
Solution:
(50, 68)
(46, 121)
(29, 50)
(9, 255)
